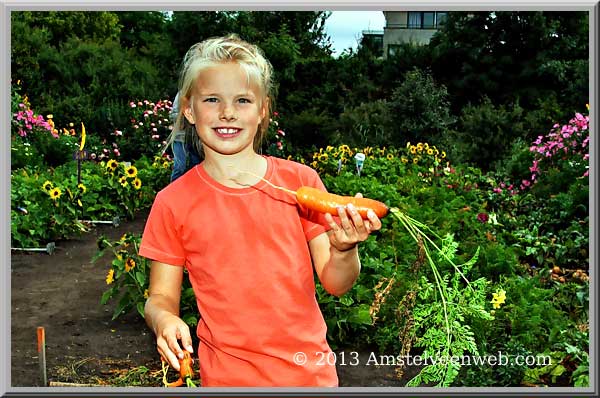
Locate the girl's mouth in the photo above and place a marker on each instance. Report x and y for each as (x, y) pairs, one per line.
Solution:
(227, 132)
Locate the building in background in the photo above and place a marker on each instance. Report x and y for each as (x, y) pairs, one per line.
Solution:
(415, 27)
(373, 40)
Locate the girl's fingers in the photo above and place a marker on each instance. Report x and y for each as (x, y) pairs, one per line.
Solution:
(345, 222)
(359, 224)
(375, 221)
(168, 355)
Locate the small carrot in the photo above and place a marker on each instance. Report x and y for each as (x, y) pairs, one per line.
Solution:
(186, 372)
(325, 202)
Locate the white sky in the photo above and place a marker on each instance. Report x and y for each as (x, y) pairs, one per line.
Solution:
(345, 27)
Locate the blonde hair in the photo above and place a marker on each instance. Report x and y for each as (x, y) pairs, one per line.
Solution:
(214, 51)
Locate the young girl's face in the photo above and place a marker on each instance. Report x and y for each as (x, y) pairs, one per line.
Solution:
(226, 109)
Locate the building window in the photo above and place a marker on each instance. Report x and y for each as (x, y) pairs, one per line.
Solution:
(426, 20)
(440, 18)
(415, 20)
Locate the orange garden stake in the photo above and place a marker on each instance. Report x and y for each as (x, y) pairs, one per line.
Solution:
(41, 349)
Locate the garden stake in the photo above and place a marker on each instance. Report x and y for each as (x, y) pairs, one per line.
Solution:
(360, 160)
(41, 349)
(48, 249)
(116, 221)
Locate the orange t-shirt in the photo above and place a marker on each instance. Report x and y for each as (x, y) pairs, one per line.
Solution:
(249, 263)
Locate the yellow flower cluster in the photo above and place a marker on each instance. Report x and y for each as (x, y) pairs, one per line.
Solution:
(331, 155)
(423, 152)
(498, 298)
(130, 171)
(161, 162)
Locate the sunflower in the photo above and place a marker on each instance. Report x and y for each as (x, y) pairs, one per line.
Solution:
(55, 193)
(415, 160)
(323, 157)
(413, 149)
(131, 171)
(110, 277)
(390, 156)
(47, 186)
(404, 160)
(430, 151)
(165, 165)
(123, 181)
(137, 183)
(82, 188)
(129, 264)
(112, 165)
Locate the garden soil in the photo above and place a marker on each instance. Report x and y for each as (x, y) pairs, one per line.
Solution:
(61, 292)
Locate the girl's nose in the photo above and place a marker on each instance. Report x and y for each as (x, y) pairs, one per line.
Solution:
(227, 112)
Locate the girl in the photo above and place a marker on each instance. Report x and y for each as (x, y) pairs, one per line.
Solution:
(249, 248)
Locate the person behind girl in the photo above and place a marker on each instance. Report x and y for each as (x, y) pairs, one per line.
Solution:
(249, 248)
(185, 155)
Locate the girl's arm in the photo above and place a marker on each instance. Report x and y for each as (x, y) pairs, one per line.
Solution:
(335, 253)
(162, 312)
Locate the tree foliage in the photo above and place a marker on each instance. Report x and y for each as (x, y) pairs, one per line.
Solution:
(83, 65)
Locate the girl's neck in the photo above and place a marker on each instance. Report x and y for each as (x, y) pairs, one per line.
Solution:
(229, 169)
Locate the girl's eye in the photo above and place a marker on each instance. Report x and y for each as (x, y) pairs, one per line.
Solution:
(210, 99)
(245, 101)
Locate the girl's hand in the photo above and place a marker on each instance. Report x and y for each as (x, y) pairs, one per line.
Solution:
(169, 330)
(352, 229)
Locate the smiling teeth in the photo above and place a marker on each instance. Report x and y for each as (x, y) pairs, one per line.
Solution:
(227, 131)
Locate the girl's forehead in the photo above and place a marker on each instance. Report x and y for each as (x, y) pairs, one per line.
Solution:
(226, 76)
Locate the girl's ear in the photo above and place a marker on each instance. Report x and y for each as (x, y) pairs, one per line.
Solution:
(265, 109)
(187, 110)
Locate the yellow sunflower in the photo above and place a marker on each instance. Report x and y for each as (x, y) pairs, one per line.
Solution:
(110, 277)
(123, 181)
(137, 183)
(131, 171)
(129, 264)
(112, 165)
(55, 193)
(47, 186)
(82, 188)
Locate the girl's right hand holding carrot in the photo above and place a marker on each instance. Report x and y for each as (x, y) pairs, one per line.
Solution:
(169, 330)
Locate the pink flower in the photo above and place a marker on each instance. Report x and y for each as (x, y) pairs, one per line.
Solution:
(482, 217)
(497, 190)
(279, 145)
(275, 113)
(281, 132)
(116, 151)
(534, 168)
(131, 104)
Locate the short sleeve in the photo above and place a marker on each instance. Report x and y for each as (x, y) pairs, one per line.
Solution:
(313, 222)
(161, 240)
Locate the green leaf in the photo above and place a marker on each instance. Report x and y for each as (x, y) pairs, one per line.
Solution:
(140, 277)
(106, 296)
(140, 308)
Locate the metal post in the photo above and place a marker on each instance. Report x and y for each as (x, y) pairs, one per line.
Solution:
(50, 247)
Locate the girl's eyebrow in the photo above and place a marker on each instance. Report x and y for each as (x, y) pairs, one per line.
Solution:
(243, 94)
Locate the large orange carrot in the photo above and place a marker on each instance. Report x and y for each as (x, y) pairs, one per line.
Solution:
(325, 202)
